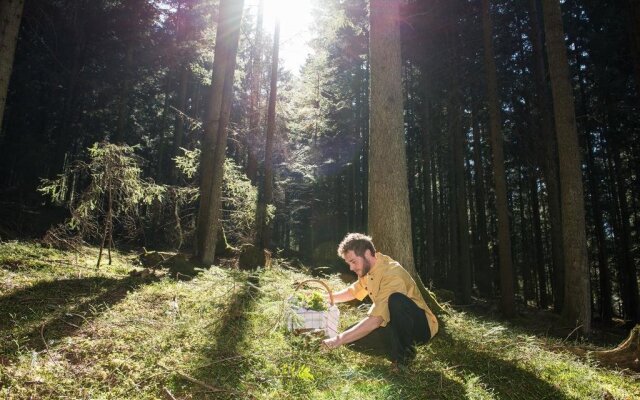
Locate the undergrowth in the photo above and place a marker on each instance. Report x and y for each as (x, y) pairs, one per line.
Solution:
(70, 331)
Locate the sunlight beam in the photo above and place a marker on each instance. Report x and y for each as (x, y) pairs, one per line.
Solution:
(295, 22)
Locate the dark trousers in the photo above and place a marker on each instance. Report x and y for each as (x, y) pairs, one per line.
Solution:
(408, 326)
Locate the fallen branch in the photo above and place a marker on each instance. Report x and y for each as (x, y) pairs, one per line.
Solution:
(46, 346)
(193, 380)
(169, 393)
(626, 355)
(571, 333)
(70, 324)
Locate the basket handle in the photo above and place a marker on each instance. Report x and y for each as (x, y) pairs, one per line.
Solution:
(320, 282)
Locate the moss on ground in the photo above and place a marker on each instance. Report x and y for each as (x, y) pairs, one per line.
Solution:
(70, 331)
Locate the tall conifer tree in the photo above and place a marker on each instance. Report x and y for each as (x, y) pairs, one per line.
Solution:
(265, 197)
(10, 17)
(500, 183)
(214, 144)
(389, 213)
(577, 299)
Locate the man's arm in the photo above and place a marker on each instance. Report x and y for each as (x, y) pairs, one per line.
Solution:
(342, 296)
(358, 331)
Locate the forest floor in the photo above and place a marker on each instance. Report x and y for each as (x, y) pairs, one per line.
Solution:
(70, 331)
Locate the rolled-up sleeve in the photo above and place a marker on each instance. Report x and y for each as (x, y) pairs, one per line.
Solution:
(358, 290)
(380, 307)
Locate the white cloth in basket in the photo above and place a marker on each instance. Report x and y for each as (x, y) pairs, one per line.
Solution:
(304, 319)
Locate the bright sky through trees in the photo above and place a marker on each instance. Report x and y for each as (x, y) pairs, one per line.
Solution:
(295, 21)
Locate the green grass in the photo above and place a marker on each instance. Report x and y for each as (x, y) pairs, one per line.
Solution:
(69, 331)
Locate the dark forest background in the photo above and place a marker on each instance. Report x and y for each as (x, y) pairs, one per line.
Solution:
(138, 73)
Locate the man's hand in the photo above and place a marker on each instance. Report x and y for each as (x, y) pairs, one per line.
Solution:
(332, 343)
(358, 331)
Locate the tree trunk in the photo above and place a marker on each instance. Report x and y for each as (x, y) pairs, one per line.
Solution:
(10, 17)
(389, 213)
(181, 113)
(162, 173)
(412, 149)
(215, 133)
(473, 229)
(577, 300)
(252, 139)
(483, 270)
(633, 24)
(389, 217)
(123, 99)
(453, 270)
(528, 282)
(500, 184)
(596, 211)
(462, 270)
(351, 196)
(543, 300)
(549, 154)
(427, 173)
(606, 308)
(365, 147)
(627, 269)
(443, 227)
(266, 196)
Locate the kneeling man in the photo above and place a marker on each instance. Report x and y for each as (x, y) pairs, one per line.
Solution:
(399, 317)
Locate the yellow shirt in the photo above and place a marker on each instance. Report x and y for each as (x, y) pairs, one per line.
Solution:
(386, 277)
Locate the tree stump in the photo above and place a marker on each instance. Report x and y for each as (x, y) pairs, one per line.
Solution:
(252, 257)
(626, 355)
(153, 259)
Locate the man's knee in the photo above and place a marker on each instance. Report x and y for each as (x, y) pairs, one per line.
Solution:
(398, 301)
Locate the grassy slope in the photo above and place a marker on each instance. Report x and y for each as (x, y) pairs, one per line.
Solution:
(67, 331)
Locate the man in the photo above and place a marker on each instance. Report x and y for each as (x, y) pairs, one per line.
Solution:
(399, 317)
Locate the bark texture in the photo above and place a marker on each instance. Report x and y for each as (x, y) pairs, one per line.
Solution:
(482, 258)
(10, 17)
(215, 133)
(549, 153)
(577, 303)
(266, 195)
(389, 213)
(500, 184)
(427, 174)
(253, 136)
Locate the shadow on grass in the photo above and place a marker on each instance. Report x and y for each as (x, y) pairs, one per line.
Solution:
(547, 324)
(418, 383)
(51, 311)
(505, 379)
(224, 362)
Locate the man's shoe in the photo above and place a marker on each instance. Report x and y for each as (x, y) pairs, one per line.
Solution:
(410, 354)
(399, 367)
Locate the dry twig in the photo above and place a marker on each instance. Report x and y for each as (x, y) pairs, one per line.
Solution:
(193, 380)
(168, 393)
(46, 346)
(571, 333)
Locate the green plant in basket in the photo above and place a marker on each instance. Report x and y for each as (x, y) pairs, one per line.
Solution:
(314, 301)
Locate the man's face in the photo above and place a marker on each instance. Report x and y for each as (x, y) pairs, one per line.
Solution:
(357, 264)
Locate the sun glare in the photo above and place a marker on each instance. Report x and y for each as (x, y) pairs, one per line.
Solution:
(281, 8)
(295, 22)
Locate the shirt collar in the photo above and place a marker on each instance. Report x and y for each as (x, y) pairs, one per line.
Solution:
(375, 267)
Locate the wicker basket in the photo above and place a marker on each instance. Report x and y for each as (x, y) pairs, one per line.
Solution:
(301, 319)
